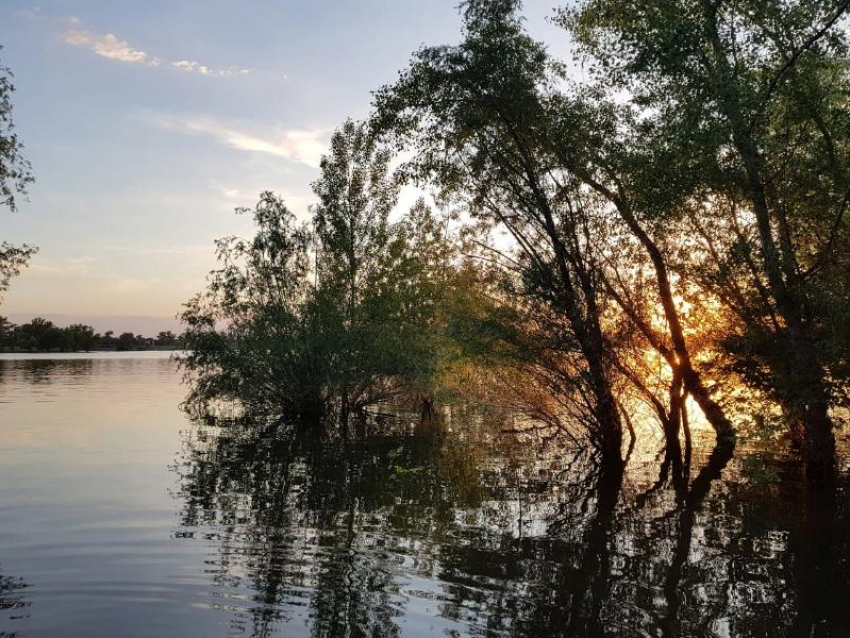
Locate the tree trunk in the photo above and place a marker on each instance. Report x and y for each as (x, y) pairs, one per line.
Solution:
(610, 441)
(344, 412)
(679, 359)
(820, 446)
(710, 408)
(673, 422)
(812, 435)
(807, 395)
(588, 333)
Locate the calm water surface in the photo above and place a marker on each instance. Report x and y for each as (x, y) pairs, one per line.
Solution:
(119, 516)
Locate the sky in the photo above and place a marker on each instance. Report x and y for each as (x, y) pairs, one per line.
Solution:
(147, 123)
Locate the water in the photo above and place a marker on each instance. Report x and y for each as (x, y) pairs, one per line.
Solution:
(119, 516)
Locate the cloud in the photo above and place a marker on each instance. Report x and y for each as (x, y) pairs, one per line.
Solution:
(194, 67)
(114, 48)
(249, 195)
(81, 265)
(303, 146)
(107, 46)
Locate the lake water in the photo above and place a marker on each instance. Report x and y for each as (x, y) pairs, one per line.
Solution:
(119, 516)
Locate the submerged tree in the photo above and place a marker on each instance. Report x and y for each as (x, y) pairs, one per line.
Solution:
(250, 335)
(339, 314)
(494, 155)
(744, 115)
(676, 221)
(492, 122)
(377, 281)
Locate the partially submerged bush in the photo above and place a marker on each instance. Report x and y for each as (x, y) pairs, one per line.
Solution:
(331, 316)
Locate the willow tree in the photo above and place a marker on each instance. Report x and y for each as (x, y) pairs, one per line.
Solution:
(600, 142)
(253, 334)
(745, 118)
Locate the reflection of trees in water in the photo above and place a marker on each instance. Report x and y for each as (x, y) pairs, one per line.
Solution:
(13, 605)
(299, 512)
(821, 541)
(44, 371)
(365, 537)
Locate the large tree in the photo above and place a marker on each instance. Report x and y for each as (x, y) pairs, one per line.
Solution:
(495, 121)
(476, 115)
(745, 122)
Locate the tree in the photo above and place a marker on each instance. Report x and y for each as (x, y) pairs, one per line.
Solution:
(333, 316)
(355, 196)
(12, 260)
(7, 333)
(126, 341)
(15, 176)
(40, 335)
(746, 127)
(107, 340)
(78, 338)
(266, 355)
(381, 279)
(491, 125)
(166, 338)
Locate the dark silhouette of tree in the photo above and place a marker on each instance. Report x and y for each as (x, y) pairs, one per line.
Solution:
(167, 338)
(15, 176)
(78, 338)
(475, 116)
(745, 133)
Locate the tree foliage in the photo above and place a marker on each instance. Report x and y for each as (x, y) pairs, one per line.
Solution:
(701, 165)
(15, 173)
(744, 132)
(676, 225)
(15, 176)
(12, 260)
(333, 315)
(42, 335)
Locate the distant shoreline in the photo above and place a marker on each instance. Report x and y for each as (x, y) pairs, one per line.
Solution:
(92, 351)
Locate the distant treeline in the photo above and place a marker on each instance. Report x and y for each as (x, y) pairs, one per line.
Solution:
(41, 335)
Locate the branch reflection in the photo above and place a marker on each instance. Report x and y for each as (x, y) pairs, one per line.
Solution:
(470, 532)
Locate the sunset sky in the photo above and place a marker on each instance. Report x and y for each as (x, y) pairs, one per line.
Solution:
(147, 122)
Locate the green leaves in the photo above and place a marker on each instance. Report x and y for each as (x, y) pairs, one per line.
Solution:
(335, 314)
(12, 260)
(15, 175)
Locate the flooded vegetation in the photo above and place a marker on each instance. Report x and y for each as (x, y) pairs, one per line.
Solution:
(239, 528)
(552, 349)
